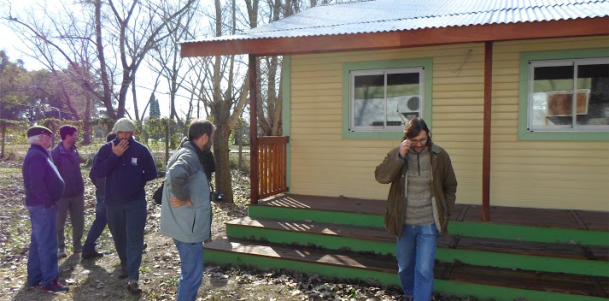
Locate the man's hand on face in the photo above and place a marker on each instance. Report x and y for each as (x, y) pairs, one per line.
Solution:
(119, 149)
(404, 147)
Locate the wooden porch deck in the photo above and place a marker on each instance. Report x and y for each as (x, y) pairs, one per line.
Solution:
(537, 254)
(552, 218)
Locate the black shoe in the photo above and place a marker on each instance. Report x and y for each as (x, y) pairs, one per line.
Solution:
(91, 255)
(123, 274)
(54, 287)
(133, 288)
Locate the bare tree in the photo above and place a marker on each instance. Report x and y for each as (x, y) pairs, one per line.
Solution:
(223, 90)
(166, 59)
(111, 37)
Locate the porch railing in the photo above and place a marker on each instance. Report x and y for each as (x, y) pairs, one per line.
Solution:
(272, 165)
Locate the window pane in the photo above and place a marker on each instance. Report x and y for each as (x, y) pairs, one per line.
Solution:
(403, 99)
(593, 94)
(369, 100)
(552, 96)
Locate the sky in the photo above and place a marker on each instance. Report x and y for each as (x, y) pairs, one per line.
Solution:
(14, 47)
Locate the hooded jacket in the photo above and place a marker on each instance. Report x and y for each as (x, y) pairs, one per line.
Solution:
(186, 180)
(443, 187)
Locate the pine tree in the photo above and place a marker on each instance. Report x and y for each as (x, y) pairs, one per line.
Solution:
(155, 109)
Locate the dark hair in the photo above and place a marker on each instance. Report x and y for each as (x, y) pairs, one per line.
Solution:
(67, 130)
(111, 136)
(200, 127)
(414, 128)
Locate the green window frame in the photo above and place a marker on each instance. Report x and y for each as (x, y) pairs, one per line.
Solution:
(423, 66)
(529, 61)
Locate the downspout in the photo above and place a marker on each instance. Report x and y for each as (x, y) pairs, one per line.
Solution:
(486, 144)
(254, 179)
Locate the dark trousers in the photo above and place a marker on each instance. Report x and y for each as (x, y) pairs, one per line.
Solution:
(75, 205)
(126, 223)
(98, 226)
(42, 266)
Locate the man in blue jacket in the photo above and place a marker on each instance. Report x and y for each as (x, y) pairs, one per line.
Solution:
(43, 188)
(186, 208)
(66, 158)
(127, 166)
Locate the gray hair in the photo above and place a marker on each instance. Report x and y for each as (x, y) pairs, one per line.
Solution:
(34, 139)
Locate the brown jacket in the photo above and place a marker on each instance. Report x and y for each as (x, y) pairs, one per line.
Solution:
(444, 188)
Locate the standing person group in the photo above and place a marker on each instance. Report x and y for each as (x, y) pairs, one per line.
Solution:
(127, 165)
(67, 160)
(43, 188)
(186, 205)
(54, 186)
(422, 194)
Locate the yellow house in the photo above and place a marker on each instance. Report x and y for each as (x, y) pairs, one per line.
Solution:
(517, 92)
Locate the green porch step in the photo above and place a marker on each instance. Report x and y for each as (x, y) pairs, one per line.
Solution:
(366, 213)
(535, 256)
(455, 279)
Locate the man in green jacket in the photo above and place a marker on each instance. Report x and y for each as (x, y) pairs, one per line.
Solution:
(186, 205)
(422, 194)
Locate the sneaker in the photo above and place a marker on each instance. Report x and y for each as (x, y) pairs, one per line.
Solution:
(133, 288)
(123, 274)
(55, 286)
(61, 254)
(91, 255)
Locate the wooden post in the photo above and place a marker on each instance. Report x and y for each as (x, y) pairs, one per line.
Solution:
(254, 177)
(486, 146)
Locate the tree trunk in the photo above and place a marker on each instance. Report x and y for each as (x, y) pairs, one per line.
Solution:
(3, 129)
(86, 135)
(135, 108)
(221, 154)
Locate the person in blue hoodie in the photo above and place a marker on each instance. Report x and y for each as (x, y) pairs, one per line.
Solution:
(186, 205)
(127, 165)
(43, 188)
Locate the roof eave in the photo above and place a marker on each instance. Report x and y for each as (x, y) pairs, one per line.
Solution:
(400, 39)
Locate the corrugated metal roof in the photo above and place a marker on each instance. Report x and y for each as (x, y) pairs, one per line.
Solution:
(400, 15)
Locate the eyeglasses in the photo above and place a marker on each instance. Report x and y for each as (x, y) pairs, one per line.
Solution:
(418, 141)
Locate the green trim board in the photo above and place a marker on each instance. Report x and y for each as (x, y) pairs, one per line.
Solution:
(426, 63)
(525, 262)
(529, 233)
(484, 292)
(462, 289)
(473, 257)
(321, 216)
(263, 262)
(473, 229)
(286, 86)
(331, 242)
(523, 87)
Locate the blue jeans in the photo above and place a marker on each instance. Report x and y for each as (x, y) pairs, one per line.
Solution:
(42, 266)
(97, 227)
(191, 257)
(126, 223)
(416, 250)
